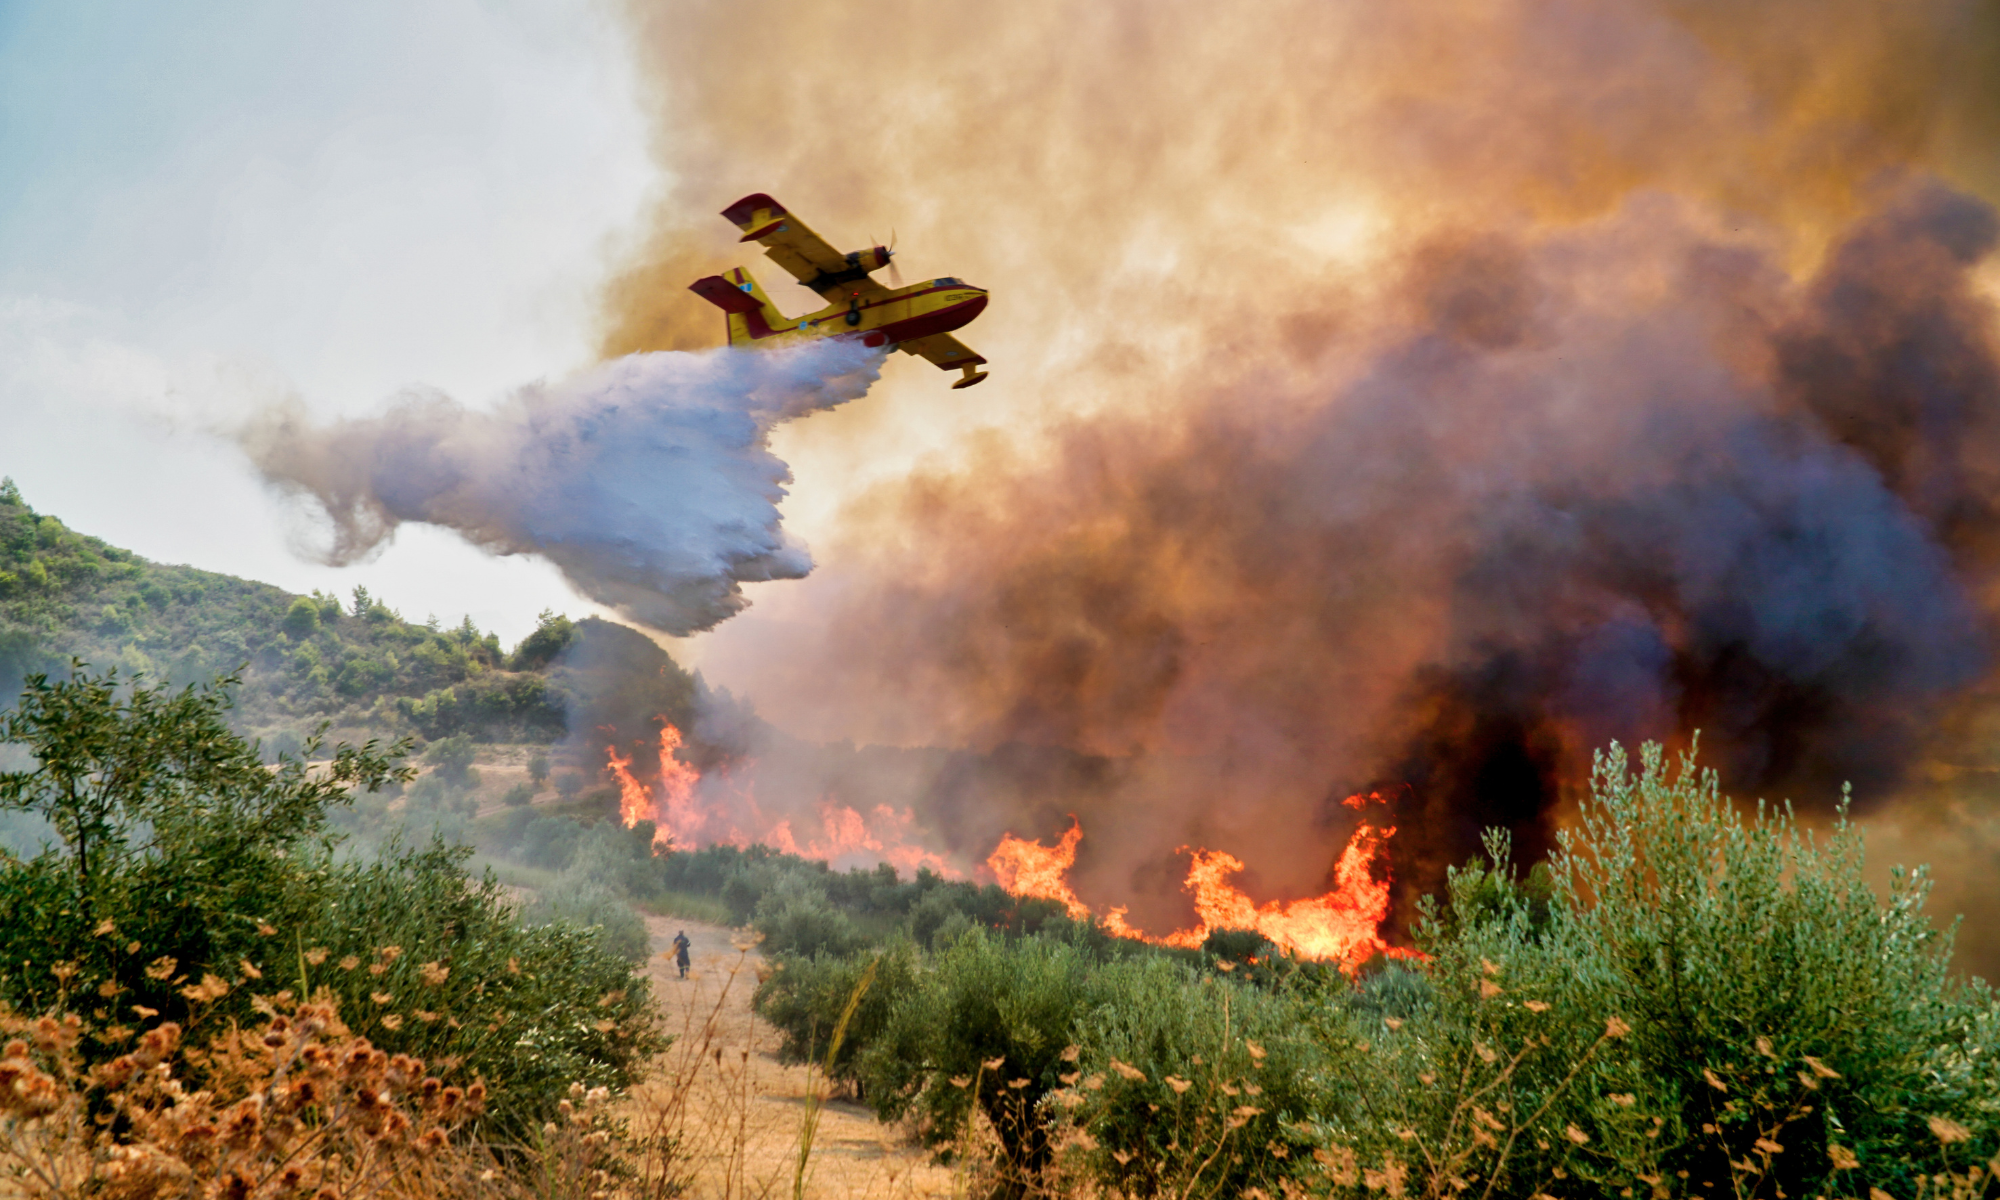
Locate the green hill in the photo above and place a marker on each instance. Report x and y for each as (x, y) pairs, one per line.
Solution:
(310, 659)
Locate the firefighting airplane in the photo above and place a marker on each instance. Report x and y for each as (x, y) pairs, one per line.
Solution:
(917, 319)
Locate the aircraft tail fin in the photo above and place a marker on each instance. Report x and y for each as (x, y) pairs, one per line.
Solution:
(750, 313)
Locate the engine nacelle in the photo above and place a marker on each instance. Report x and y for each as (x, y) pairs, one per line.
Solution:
(872, 259)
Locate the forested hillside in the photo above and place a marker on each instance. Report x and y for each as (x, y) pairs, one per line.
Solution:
(354, 662)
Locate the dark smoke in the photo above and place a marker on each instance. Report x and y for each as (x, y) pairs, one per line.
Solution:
(1628, 481)
(1403, 397)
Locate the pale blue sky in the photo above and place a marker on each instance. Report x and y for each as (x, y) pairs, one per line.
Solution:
(204, 204)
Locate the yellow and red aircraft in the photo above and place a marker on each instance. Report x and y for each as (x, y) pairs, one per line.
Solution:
(917, 319)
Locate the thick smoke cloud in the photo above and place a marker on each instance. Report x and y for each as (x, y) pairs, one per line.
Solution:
(648, 480)
(1405, 397)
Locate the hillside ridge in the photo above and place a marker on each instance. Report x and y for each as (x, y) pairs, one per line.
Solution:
(354, 664)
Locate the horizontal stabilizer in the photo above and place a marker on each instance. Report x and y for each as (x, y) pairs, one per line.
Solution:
(725, 295)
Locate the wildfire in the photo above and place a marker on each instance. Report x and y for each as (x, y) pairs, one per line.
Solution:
(634, 805)
(669, 801)
(689, 815)
(1026, 868)
(1342, 925)
(846, 834)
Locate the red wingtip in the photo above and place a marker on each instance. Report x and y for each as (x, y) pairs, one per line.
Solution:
(740, 212)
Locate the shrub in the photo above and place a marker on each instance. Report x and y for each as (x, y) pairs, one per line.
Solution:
(178, 846)
(453, 758)
(518, 796)
(302, 618)
(1749, 952)
(987, 1025)
(587, 903)
(538, 769)
(621, 859)
(796, 918)
(1692, 1000)
(550, 842)
(803, 999)
(1188, 1084)
(187, 870)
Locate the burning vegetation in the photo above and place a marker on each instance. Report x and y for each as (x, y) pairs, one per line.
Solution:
(1475, 385)
(1342, 926)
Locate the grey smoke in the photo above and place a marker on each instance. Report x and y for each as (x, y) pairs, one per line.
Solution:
(648, 480)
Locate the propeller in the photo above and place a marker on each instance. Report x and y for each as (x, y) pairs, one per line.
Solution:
(895, 272)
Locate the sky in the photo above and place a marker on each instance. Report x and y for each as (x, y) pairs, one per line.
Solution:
(206, 206)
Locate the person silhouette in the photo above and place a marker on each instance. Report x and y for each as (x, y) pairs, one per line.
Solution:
(681, 948)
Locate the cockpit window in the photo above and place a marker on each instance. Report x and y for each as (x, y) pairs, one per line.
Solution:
(948, 281)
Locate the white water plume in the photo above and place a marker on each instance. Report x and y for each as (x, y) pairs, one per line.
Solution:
(648, 480)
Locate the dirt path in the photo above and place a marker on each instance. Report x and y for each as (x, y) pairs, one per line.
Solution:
(743, 1111)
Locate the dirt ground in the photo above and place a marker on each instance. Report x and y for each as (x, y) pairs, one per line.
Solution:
(742, 1111)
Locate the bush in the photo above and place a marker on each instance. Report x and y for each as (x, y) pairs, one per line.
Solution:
(1750, 952)
(187, 870)
(178, 846)
(302, 618)
(803, 999)
(1191, 1083)
(453, 758)
(1690, 995)
(556, 999)
(550, 842)
(518, 796)
(796, 918)
(588, 904)
(1016, 1004)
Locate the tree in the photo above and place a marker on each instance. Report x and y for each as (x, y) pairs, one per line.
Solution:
(553, 633)
(302, 618)
(538, 769)
(191, 877)
(363, 602)
(568, 784)
(453, 757)
(174, 832)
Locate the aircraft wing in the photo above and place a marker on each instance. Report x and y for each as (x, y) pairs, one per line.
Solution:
(943, 349)
(793, 245)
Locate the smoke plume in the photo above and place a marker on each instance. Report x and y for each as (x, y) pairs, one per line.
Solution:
(1384, 396)
(649, 480)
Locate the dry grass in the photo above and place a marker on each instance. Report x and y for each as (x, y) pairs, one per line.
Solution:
(737, 1116)
(297, 1106)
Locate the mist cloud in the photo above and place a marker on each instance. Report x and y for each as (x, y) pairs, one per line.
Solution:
(648, 480)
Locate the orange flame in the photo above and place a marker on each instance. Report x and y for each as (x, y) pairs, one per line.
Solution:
(1342, 926)
(672, 809)
(675, 803)
(675, 813)
(634, 805)
(847, 833)
(1027, 868)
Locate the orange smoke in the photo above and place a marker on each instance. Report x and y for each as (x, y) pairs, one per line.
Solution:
(1341, 926)
(1347, 381)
